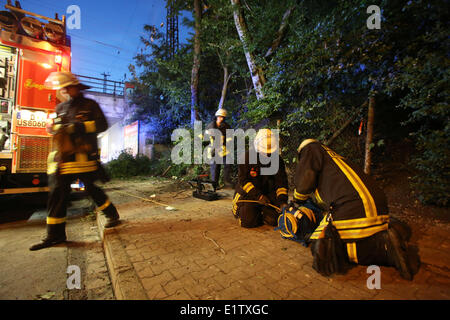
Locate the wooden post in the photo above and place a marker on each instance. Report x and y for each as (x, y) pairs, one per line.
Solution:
(369, 136)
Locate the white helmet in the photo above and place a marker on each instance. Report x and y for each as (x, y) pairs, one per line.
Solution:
(221, 113)
(265, 141)
(61, 79)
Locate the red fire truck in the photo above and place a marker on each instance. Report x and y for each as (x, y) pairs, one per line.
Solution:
(31, 47)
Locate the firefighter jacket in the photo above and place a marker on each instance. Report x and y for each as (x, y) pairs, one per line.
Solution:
(220, 146)
(251, 184)
(358, 207)
(75, 128)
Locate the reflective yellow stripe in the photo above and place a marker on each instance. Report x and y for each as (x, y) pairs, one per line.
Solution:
(281, 191)
(293, 220)
(298, 214)
(78, 167)
(51, 220)
(56, 127)
(248, 187)
(368, 202)
(355, 234)
(235, 200)
(89, 126)
(351, 251)
(299, 196)
(318, 198)
(366, 197)
(68, 165)
(104, 206)
(309, 213)
(305, 143)
(52, 166)
(355, 223)
(78, 170)
(355, 228)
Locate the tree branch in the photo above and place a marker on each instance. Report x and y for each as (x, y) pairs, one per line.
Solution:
(350, 120)
(280, 33)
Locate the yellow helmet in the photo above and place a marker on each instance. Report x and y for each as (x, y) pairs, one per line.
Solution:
(221, 113)
(61, 79)
(266, 141)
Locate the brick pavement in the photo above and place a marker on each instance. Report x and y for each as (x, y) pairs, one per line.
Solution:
(200, 253)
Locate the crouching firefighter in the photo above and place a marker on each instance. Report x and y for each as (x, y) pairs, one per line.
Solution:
(75, 127)
(259, 197)
(356, 227)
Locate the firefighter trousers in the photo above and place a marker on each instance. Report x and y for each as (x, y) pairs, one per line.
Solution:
(215, 172)
(253, 215)
(59, 198)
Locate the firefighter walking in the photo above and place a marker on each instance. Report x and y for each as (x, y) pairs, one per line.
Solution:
(75, 128)
(257, 196)
(356, 227)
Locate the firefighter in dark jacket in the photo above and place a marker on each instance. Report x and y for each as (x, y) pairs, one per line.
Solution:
(75, 127)
(219, 148)
(356, 206)
(259, 198)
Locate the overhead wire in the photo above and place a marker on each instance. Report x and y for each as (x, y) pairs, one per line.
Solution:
(128, 28)
(84, 41)
(105, 53)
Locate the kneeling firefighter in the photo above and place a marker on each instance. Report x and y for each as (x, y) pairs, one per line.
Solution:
(259, 197)
(75, 127)
(355, 226)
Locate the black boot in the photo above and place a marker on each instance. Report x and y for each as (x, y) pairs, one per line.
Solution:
(56, 233)
(397, 250)
(112, 216)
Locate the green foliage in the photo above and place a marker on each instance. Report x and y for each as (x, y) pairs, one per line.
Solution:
(126, 166)
(327, 64)
(422, 75)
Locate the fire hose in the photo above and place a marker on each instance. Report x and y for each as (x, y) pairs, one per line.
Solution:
(258, 202)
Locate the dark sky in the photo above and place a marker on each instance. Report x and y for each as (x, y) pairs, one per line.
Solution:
(110, 31)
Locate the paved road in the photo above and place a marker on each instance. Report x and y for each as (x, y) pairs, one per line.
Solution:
(27, 275)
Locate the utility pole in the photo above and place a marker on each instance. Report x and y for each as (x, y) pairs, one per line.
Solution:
(104, 81)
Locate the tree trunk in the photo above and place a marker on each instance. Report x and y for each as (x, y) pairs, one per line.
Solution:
(226, 79)
(196, 63)
(242, 30)
(369, 137)
(281, 31)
